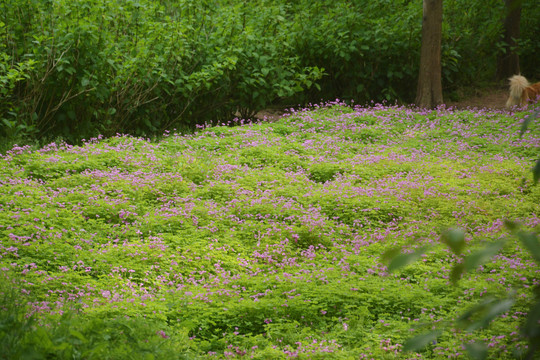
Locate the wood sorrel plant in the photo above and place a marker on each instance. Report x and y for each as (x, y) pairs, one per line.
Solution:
(264, 240)
(482, 314)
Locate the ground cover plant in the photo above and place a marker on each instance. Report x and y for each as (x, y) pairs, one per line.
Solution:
(265, 240)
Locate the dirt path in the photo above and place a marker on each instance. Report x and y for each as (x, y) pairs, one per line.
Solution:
(495, 99)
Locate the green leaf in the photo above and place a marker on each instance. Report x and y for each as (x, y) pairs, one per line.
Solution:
(9, 124)
(455, 239)
(536, 172)
(457, 271)
(77, 334)
(499, 307)
(488, 310)
(530, 240)
(389, 254)
(467, 315)
(531, 328)
(481, 256)
(511, 225)
(402, 260)
(477, 350)
(525, 125)
(421, 341)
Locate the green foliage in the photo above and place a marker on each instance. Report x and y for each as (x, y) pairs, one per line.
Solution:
(528, 47)
(76, 69)
(370, 53)
(481, 315)
(265, 240)
(107, 67)
(11, 75)
(71, 335)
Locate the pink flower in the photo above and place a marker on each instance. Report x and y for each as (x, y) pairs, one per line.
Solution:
(162, 334)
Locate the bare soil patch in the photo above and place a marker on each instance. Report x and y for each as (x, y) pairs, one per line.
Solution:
(490, 99)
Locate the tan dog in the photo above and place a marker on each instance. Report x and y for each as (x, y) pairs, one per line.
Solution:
(521, 92)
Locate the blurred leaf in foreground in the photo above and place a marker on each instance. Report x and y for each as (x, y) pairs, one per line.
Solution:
(402, 260)
(421, 341)
(455, 239)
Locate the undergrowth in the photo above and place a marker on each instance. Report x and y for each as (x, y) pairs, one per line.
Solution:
(264, 240)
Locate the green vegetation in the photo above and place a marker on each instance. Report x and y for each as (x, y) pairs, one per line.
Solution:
(266, 240)
(253, 240)
(77, 69)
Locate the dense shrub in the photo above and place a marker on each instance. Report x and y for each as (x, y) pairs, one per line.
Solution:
(81, 68)
(369, 50)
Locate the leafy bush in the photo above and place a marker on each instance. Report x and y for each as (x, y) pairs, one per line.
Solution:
(142, 67)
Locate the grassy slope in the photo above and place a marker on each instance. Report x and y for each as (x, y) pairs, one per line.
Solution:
(265, 239)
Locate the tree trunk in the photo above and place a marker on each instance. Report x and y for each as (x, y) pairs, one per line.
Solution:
(429, 91)
(508, 61)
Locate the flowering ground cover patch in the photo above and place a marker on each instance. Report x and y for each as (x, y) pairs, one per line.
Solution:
(265, 240)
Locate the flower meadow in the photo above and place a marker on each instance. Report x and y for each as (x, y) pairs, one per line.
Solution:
(264, 240)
